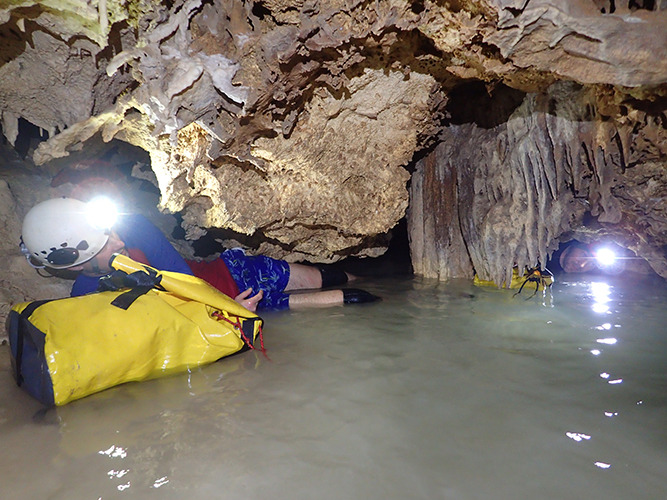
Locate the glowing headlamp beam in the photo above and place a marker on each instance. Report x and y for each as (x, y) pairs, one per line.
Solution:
(605, 257)
(101, 213)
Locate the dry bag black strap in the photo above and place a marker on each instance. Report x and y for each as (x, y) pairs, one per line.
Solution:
(20, 334)
(125, 299)
(139, 283)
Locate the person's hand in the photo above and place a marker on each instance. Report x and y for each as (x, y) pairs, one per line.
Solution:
(250, 303)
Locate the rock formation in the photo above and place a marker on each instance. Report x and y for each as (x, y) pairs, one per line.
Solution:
(526, 123)
(564, 164)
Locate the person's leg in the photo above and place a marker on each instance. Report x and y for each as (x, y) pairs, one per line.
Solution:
(315, 299)
(330, 298)
(275, 277)
(303, 277)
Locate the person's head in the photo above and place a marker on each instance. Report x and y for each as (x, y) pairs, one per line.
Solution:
(65, 233)
(575, 259)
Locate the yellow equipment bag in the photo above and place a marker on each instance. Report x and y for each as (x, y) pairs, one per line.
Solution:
(164, 323)
(517, 280)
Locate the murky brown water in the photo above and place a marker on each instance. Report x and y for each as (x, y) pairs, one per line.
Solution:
(441, 391)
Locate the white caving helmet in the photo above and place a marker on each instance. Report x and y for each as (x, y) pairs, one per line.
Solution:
(64, 232)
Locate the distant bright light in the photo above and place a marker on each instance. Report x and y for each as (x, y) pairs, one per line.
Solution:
(101, 212)
(605, 257)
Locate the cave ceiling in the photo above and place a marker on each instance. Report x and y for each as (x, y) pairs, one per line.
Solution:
(300, 121)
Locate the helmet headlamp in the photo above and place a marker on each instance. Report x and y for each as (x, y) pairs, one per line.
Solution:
(101, 213)
(64, 232)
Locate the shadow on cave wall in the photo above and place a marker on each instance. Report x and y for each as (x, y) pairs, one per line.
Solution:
(394, 262)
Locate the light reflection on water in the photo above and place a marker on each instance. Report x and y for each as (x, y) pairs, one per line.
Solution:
(439, 391)
(601, 294)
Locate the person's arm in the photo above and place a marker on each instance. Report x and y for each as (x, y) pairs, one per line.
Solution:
(138, 232)
(84, 285)
(249, 301)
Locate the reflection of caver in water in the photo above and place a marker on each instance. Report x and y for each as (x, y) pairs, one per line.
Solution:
(62, 233)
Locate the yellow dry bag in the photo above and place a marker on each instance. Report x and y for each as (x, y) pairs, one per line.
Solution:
(158, 323)
(518, 280)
